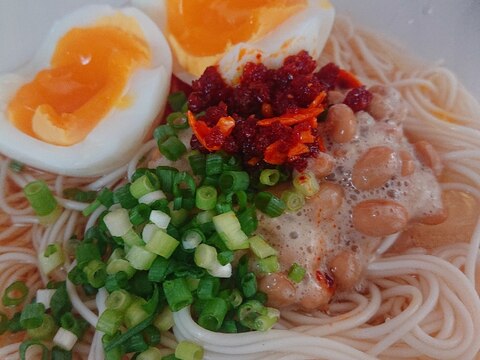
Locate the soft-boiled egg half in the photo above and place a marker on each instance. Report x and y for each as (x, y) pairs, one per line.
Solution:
(232, 32)
(85, 102)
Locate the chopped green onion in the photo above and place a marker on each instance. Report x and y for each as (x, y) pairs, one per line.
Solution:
(16, 166)
(296, 273)
(152, 353)
(29, 343)
(220, 271)
(91, 208)
(211, 180)
(135, 313)
(172, 148)
(140, 258)
(178, 217)
(4, 322)
(143, 185)
(293, 200)
(44, 296)
(205, 256)
(79, 195)
(170, 357)
(213, 164)
(120, 265)
(118, 222)
(184, 185)
(164, 320)
(122, 338)
(269, 265)
(118, 300)
(159, 269)
(136, 343)
(176, 100)
(249, 311)
(32, 315)
(163, 132)
(260, 247)
(60, 302)
(192, 238)
(85, 252)
(42, 201)
(51, 258)
(264, 322)
(116, 281)
(269, 204)
(229, 327)
(306, 183)
(60, 354)
(248, 284)
(232, 164)
(187, 350)
(233, 297)
(213, 314)
(160, 219)
(229, 229)
(197, 162)
(248, 220)
(177, 294)
(105, 197)
(109, 321)
(166, 175)
(260, 296)
(269, 177)
(225, 257)
(239, 198)
(96, 273)
(45, 331)
(65, 339)
(208, 287)
(14, 324)
(162, 244)
(76, 325)
(15, 294)
(231, 181)
(123, 197)
(177, 120)
(151, 335)
(152, 197)
(131, 238)
(206, 198)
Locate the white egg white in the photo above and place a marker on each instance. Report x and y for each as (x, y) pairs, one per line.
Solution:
(119, 135)
(307, 30)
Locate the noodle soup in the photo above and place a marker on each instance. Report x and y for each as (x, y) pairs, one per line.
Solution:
(396, 284)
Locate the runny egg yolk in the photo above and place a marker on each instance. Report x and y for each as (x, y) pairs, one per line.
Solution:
(90, 68)
(206, 28)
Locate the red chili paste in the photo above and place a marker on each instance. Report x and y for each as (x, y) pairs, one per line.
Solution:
(277, 113)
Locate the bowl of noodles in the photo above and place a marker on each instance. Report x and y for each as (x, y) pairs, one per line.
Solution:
(298, 188)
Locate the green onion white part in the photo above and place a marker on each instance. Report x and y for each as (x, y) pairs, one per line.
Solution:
(65, 339)
(151, 197)
(117, 222)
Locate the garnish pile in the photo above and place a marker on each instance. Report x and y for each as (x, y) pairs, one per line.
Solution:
(272, 117)
(168, 239)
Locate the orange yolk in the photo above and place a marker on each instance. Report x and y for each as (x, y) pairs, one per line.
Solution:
(209, 27)
(89, 71)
